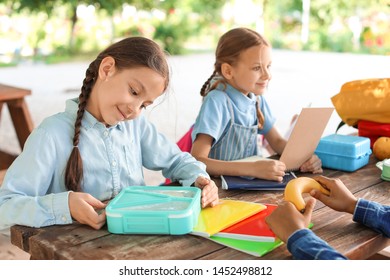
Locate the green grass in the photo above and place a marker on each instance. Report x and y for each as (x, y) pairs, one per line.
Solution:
(9, 64)
(59, 58)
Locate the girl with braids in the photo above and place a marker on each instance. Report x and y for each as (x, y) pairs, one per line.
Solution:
(234, 111)
(78, 158)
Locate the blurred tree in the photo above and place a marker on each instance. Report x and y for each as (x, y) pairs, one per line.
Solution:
(48, 6)
(184, 19)
(340, 23)
(334, 25)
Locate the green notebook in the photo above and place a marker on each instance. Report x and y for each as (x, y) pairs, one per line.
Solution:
(254, 248)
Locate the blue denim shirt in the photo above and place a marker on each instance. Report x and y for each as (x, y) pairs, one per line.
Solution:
(33, 192)
(214, 116)
(305, 245)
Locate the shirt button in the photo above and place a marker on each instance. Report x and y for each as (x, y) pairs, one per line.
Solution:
(105, 133)
(114, 163)
(63, 218)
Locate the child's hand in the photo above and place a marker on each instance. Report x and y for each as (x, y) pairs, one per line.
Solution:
(286, 219)
(209, 191)
(314, 165)
(269, 169)
(83, 208)
(340, 198)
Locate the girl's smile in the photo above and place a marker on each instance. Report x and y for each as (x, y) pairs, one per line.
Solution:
(122, 94)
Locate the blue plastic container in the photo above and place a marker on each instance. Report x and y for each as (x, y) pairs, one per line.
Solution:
(154, 210)
(344, 152)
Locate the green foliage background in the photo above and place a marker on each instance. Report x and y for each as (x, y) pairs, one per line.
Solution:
(54, 30)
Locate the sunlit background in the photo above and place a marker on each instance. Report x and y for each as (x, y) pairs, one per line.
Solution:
(318, 45)
(58, 30)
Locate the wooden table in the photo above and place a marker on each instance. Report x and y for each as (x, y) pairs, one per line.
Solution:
(82, 242)
(20, 115)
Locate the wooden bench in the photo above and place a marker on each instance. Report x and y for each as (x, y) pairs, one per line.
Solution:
(13, 98)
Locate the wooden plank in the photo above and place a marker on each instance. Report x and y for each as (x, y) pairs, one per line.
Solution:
(9, 92)
(21, 119)
(20, 236)
(47, 241)
(6, 159)
(140, 247)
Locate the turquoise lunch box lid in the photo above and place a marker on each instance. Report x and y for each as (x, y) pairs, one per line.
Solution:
(154, 210)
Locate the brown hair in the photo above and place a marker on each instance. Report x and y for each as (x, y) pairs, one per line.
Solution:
(230, 46)
(128, 53)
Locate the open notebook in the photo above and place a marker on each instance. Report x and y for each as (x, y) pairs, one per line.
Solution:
(305, 136)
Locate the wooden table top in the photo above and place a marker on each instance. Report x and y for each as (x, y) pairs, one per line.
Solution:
(13, 97)
(8, 92)
(78, 242)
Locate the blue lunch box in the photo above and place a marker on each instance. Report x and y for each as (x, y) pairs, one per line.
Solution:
(344, 152)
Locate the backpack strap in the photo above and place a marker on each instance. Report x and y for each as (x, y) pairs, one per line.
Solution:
(341, 124)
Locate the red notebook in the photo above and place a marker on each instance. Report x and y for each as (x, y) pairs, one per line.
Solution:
(253, 228)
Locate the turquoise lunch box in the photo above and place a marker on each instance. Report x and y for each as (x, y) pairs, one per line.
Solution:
(154, 210)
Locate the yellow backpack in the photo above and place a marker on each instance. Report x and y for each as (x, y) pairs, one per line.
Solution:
(367, 99)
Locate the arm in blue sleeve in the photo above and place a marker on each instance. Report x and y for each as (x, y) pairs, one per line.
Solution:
(373, 215)
(159, 153)
(305, 245)
(27, 196)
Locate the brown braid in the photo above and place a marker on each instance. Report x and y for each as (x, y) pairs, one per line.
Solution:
(206, 86)
(74, 168)
(128, 53)
(260, 116)
(230, 46)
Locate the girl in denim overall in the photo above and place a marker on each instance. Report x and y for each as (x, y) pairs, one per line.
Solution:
(234, 111)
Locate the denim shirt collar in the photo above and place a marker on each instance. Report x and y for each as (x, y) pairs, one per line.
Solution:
(88, 121)
(242, 101)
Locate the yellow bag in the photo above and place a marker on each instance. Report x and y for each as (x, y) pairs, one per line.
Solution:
(364, 100)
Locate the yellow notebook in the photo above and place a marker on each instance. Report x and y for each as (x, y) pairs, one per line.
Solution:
(228, 212)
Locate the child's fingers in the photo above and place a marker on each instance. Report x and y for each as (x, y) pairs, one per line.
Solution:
(202, 181)
(309, 208)
(95, 203)
(209, 195)
(320, 196)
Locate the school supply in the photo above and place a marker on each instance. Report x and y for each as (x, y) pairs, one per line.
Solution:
(305, 136)
(344, 152)
(228, 212)
(366, 99)
(250, 183)
(254, 248)
(253, 228)
(154, 210)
